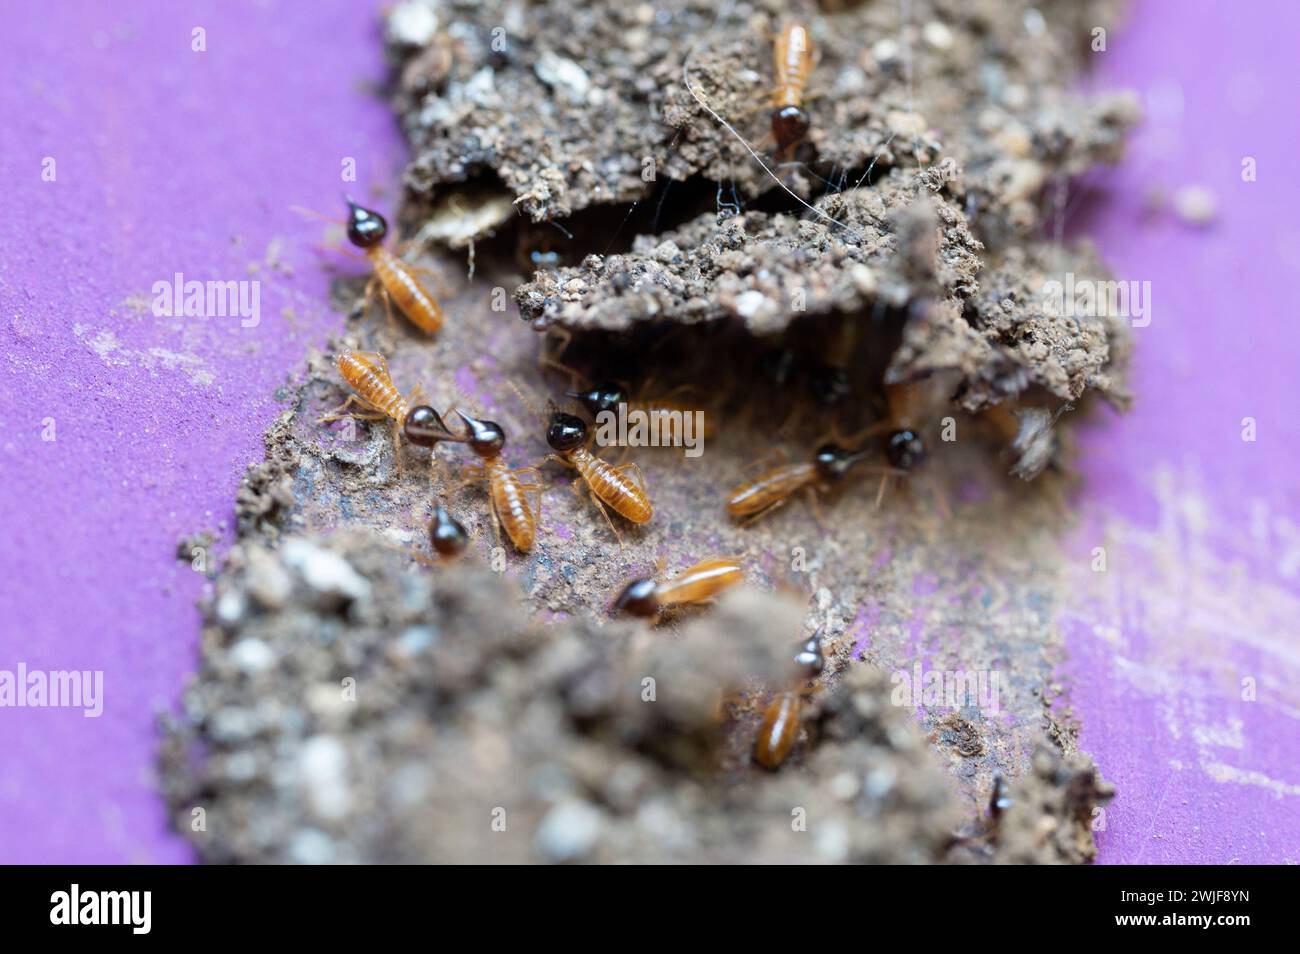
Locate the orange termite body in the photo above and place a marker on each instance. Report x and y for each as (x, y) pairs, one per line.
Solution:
(703, 581)
(778, 730)
(510, 503)
(774, 487)
(700, 582)
(507, 493)
(793, 56)
(769, 489)
(366, 230)
(567, 436)
(367, 373)
(398, 280)
(611, 485)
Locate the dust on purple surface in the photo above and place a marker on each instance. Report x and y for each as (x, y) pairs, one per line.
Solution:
(171, 160)
(166, 160)
(1201, 528)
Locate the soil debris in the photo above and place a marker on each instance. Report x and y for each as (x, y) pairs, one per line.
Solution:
(354, 704)
(382, 715)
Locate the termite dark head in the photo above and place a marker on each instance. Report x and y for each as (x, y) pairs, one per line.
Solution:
(833, 462)
(606, 396)
(789, 126)
(446, 534)
(638, 599)
(809, 657)
(486, 438)
(366, 229)
(830, 385)
(566, 432)
(905, 449)
(424, 427)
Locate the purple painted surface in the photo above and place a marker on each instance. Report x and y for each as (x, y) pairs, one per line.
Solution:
(1201, 528)
(166, 160)
(172, 160)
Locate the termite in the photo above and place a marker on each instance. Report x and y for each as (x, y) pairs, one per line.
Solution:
(778, 730)
(703, 581)
(776, 486)
(395, 278)
(904, 446)
(367, 373)
(793, 55)
(665, 415)
(507, 492)
(607, 483)
(908, 404)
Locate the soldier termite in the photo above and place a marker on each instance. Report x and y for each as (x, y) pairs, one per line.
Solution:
(507, 493)
(396, 279)
(606, 482)
(792, 53)
(701, 582)
(367, 373)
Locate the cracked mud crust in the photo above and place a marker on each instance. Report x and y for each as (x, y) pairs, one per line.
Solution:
(356, 704)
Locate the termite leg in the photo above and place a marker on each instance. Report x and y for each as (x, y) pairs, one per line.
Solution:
(605, 513)
(758, 515)
(761, 464)
(550, 356)
(368, 411)
(397, 447)
(640, 477)
(880, 494)
(445, 290)
(817, 510)
(496, 521)
(388, 307)
(368, 295)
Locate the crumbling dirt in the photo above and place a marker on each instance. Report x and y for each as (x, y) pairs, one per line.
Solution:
(502, 683)
(351, 709)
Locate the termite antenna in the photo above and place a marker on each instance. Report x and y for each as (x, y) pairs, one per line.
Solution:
(313, 214)
(523, 398)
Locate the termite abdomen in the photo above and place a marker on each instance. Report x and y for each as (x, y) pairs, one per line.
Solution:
(778, 731)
